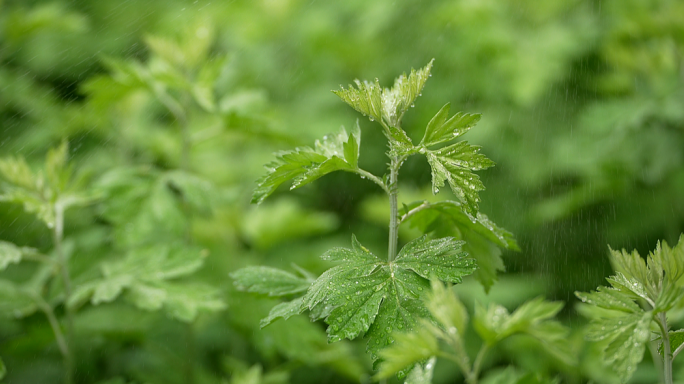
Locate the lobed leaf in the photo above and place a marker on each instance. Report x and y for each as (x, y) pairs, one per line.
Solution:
(483, 238)
(269, 281)
(609, 298)
(367, 295)
(454, 164)
(442, 258)
(440, 130)
(304, 165)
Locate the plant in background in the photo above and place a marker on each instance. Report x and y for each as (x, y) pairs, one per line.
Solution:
(443, 336)
(372, 296)
(47, 194)
(632, 312)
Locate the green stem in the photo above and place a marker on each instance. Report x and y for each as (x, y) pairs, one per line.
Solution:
(415, 210)
(190, 364)
(59, 337)
(667, 353)
(58, 235)
(394, 224)
(373, 178)
(477, 365)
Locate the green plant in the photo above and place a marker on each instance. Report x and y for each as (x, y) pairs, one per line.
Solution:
(633, 312)
(443, 336)
(366, 295)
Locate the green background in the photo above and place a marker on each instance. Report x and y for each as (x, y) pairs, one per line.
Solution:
(583, 112)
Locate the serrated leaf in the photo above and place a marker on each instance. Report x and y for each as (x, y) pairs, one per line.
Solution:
(397, 100)
(9, 254)
(440, 130)
(609, 298)
(442, 258)
(269, 281)
(454, 164)
(407, 351)
(283, 310)
(625, 340)
(482, 238)
(388, 105)
(368, 295)
(304, 165)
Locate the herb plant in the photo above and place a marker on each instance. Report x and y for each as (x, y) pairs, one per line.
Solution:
(632, 312)
(443, 336)
(365, 294)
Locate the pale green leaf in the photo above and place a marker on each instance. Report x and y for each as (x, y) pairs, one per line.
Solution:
(269, 281)
(146, 297)
(624, 340)
(365, 98)
(197, 192)
(110, 288)
(185, 301)
(440, 130)
(388, 105)
(408, 349)
(447, 309)
(397, 100)
(495, 323)
(304, 165)
(9, 254)
(284, 310)
(420, 374)
(609, 298)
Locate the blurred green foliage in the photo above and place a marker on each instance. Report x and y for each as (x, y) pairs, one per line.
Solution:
(170, 108)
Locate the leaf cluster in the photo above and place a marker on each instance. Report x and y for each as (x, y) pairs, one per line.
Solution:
(442, 335)
(364, 295)
(625, 313)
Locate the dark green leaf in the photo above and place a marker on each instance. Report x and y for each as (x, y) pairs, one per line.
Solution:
(3, 369)
(367, 295)
(442, 258)
(269, 281)
(440, 130)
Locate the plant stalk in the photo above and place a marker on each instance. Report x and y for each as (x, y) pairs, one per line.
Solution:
(58, 236)
(477, 365)
(394, 223)
(667, 353)
(59, 337)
